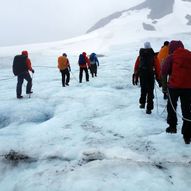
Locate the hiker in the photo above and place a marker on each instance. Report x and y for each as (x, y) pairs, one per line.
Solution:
(21, 67)
(64, 67)
(94, 63)
(162, 55)
(178, 67)
(84, 64)
(146, 67)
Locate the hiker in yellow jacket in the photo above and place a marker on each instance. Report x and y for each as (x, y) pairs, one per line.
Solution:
(162, 55)
(64, 67)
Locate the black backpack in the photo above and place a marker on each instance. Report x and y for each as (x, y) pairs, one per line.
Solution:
(19, 65)
(81, 60)
(146, 57)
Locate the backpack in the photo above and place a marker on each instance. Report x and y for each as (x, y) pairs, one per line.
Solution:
(146, 57)
(181, 69)
(81, 60)
(62, 62)
(19, 65)
(93, 58)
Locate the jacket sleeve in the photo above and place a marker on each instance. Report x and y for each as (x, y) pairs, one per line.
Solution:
(88, 61)
(157, 68)
(97, 61)
(167, 66)
(136, 66)
(29, 65)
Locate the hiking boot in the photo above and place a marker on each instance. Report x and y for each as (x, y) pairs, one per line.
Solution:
(29, 92)
(19, 97)
(142, 106)
(171, 129)
(148, 111)
(67, 84)
(165, 96)
(187, 140)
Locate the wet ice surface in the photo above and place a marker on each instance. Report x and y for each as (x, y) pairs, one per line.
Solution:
(89, 136)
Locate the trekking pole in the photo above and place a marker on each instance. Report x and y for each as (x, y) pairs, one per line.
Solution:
(74, 76)
(32, 81)
(179, 115)
(156, 99)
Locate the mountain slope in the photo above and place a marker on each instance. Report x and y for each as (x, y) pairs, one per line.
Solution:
(158, 10)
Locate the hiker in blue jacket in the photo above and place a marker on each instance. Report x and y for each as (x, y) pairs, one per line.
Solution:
(94, 63)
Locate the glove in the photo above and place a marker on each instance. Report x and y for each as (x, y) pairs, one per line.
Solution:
(32, 71)
(159, 83)
(135, 79)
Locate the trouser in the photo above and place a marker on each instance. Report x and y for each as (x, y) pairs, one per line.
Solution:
(147, 89)
(81, 74)
(20, 80)
(65, 76)
(164, 84)
(93, 69)
(185, 100)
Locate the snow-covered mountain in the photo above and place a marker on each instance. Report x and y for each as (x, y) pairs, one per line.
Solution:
(92, 136)
(157, 11)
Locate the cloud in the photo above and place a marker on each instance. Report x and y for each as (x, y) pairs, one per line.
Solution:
(24, 21)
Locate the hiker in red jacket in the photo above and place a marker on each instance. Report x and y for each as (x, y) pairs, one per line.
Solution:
(178, 66)
(146, 68)
(21, 66)
(84, 64)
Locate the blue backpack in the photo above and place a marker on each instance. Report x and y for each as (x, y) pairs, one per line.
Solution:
(81, 60)
(93, 57)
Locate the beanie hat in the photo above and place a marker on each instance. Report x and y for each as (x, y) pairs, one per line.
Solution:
(166, 43)
(64, 54)
(147, 45)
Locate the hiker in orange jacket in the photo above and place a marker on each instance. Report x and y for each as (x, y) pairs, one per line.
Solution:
(162, 55)
(64, 67)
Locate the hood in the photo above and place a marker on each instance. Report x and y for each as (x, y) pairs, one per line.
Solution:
(84, 54)
(24, 52)
(175, 44)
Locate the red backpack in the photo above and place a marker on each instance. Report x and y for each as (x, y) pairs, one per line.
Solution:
(181, 69)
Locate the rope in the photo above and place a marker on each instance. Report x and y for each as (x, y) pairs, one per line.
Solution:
(156, 98)
(44, 67)
(170, 100)
(7, 78)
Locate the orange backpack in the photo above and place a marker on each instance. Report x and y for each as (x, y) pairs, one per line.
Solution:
(62, 62)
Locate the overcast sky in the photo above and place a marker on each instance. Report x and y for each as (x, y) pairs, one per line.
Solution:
(33, 21)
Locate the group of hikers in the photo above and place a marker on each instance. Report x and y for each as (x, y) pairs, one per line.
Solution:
(84, 62)
(171, 67)
(22, 65)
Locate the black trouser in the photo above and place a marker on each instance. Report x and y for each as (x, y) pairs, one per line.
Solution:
(65, 76)
(93, 69)
(185, 99)
(20, 80)
(147, 88)
(81, 74)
